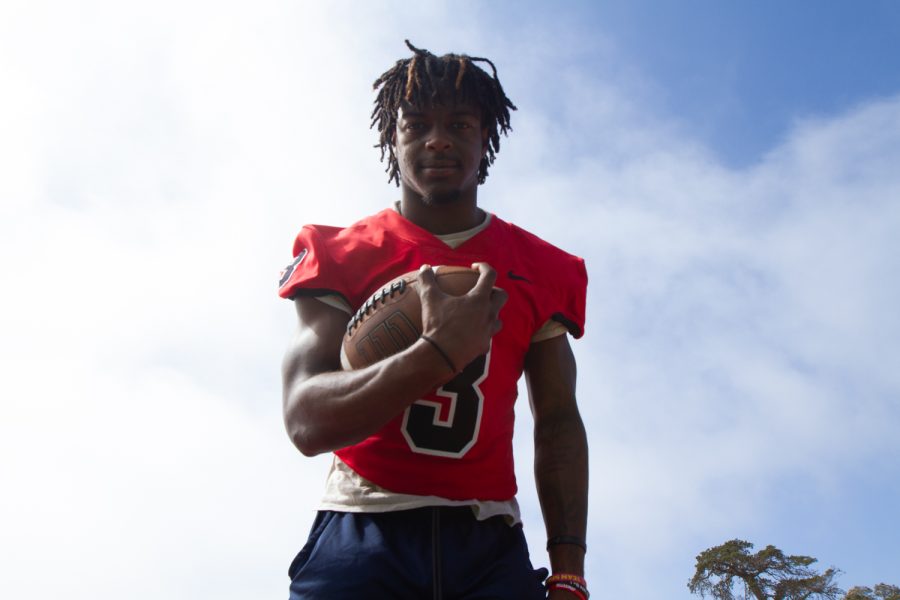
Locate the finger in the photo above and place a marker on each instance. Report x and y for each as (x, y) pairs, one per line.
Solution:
(427, 281)
(496, 326)
(498, 299)
(486, 278)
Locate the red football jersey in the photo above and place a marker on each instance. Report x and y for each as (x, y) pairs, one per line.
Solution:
(456, 442)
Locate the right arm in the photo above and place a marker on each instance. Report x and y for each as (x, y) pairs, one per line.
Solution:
(326, 408)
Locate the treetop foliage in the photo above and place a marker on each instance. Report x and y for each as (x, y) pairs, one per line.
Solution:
(771, 575)
(882, 591)
(766, 575)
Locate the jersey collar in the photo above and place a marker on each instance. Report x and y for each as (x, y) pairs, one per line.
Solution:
(396, 222)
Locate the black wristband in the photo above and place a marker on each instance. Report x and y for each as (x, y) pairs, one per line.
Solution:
(566, 539)
(442, 353)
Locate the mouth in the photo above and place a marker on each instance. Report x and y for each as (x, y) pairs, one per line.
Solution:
(439, 167)
(440, 164)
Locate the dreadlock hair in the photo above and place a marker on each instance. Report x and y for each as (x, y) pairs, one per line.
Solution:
(426, 79)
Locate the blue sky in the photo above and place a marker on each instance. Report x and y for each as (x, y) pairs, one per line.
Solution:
(727, 170)
(739, 73)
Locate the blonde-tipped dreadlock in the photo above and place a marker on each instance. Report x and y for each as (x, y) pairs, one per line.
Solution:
(424, 80)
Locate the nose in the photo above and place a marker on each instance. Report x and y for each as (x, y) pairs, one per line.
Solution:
(438, 141)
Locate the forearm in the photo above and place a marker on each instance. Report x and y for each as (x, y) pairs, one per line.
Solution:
(561, 474)
(336, 409)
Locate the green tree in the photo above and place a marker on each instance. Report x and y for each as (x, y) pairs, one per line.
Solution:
(767, 575)
(882, 591)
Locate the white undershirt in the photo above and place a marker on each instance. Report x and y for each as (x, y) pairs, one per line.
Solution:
(347, 491)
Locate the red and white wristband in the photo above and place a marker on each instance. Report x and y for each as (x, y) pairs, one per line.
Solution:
(574, 584)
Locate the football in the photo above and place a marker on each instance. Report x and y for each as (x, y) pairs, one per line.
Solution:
(391, 320)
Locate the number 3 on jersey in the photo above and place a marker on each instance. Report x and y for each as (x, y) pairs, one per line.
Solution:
(427, 432)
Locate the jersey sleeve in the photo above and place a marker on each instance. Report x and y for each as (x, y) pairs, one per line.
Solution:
(313, 271)
(571, 300)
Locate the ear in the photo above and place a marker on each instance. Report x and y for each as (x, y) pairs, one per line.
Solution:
(484, 141)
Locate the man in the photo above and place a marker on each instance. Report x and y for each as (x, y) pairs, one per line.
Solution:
(420, 502)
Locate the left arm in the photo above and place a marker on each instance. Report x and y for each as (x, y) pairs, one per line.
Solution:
(560, 448)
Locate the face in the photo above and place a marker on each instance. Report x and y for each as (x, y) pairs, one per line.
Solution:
(439, 149)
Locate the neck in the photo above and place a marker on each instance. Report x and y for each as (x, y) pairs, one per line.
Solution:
(441, 216)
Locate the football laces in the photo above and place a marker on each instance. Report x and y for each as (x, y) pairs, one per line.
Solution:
(382, 296)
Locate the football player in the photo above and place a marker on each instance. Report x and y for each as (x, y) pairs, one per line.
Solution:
(420, 499)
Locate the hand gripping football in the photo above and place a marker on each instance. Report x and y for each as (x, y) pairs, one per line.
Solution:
(391, 320)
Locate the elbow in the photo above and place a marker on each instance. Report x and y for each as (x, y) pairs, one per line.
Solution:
(300, 430)
(303, 438)
(306, 448)
(311, 431)
(301, 434)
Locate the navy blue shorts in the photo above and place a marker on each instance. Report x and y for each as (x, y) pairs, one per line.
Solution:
(422, 554)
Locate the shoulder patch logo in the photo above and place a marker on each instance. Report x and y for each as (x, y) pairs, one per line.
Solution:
(289, 270)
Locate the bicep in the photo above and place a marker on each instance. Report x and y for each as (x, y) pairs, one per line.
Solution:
(550, 373)
(316, 345)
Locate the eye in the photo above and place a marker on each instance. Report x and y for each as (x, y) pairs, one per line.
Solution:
(413, 126)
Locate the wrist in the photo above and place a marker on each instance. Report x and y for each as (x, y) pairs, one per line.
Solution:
(566, 558)
(567, 540)
(440, 350)
(430, 362)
